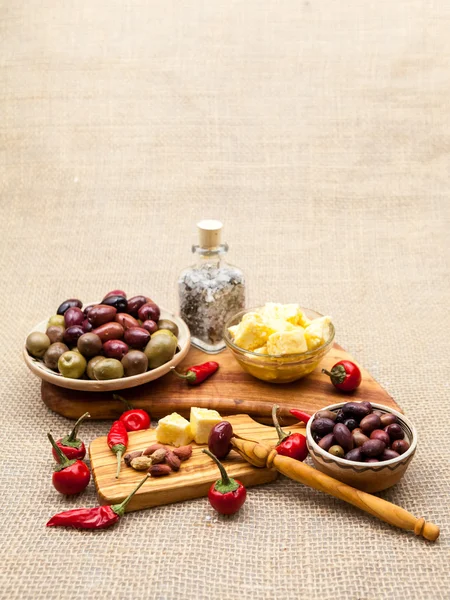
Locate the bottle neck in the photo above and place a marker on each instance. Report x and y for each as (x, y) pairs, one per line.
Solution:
(210, 256)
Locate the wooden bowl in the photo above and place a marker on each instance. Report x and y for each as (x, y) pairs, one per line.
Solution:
(368, 477)
(87, 385)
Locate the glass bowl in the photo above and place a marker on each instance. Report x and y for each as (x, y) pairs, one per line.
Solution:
(278, 368)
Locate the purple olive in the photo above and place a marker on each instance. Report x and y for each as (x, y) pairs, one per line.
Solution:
(400, 446)
(340, 417)
(343, 436)
(322, 426)
(219, 441)
(150, 326)
(327, 441)
(73, 316)
(115, 293)
(101, 314)
(136, 337)
(327, 414)
(115, 349)
(387, 419)
(86, 326)
(119, 302)
(372, 460)
(135, 303)
(389, 454)
(356, 410)
(109, 331)
(68, 304)
(369, 423)
(71, 335)
(379, 434)
(354, 454)
(369, 406)
(127, 321)
(150, 310)
(394, 431)
(373, 448)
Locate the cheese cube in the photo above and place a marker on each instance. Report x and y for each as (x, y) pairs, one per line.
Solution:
(202, 421)
(252, 332)
(316, 333)
(174, 430)
(287, 342)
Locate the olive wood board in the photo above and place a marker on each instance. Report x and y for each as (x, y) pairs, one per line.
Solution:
(230, 391)
(195, 476)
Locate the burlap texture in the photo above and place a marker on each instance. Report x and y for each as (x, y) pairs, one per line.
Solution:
(319, 133)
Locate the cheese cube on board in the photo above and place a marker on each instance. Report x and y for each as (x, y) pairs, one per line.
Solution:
(174, 430)
(202, 421)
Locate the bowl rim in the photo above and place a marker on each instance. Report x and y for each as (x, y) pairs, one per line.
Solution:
(121, 383)
(295, 356)
(356, 463)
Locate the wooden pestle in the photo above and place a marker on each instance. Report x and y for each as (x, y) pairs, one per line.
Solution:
(261, 456)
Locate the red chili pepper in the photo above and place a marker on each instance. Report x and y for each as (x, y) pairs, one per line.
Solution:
(118, 441)
(300, 415)
(72, 446)
(291, 444)
(70, 476)
(134, 419)
(345, 376)
(99, 517)
(198, 373)
(227, 495)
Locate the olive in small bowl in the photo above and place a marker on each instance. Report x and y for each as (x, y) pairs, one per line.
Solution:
(380, 468)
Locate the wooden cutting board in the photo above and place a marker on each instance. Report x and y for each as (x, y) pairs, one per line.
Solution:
(230, 391)
(194, 478)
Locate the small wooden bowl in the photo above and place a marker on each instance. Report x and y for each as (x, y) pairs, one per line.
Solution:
(38, 367)
(368, 477)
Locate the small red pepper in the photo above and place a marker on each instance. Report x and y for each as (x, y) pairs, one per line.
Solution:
(345, 376)
(290, 444)
(118, 441)
(99, 517)
(71, 445)
(300, 415)
(134, 419)
(70, 476)
(226, 495)
(198, 373)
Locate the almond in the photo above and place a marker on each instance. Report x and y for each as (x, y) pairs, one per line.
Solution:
(152, 448)
(141, 463)
(129, 457)
(173, 461)
(159, 470)
(183, 453)
(158, 456)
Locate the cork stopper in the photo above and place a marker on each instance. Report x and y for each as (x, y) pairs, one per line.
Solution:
(209, 232)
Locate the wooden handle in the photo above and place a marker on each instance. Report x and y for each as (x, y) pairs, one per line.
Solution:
(260, 456)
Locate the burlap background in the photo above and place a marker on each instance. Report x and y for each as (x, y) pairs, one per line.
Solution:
(319, 131)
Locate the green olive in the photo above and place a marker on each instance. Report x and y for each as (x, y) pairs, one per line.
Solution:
(170, 325)
(160, 349)
(108, 368)
(57, 320)
(52, 355)
(164, 332)
(134, 362)
(37, 344)
(72, 364)
(337, 451)
(91, 364)
(89, 344)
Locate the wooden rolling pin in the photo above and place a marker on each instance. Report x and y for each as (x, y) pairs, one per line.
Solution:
(261, 456)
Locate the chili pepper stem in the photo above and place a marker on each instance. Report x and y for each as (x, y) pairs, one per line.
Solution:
(190, 376)
(124, 400)
(226, 483)
(73, 434)
(119, 509)
(64, 461)
(119, 458)
(281, 434)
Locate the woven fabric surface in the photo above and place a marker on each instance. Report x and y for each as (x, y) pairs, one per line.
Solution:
(319, 132)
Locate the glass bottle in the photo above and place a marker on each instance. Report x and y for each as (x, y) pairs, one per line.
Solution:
(211, 291)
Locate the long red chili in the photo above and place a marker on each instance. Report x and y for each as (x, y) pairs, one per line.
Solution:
(300, 415)
(134, 419)
(291, 444)
(70, 444)
(99, 517)
(198, 373)
(118, 441)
